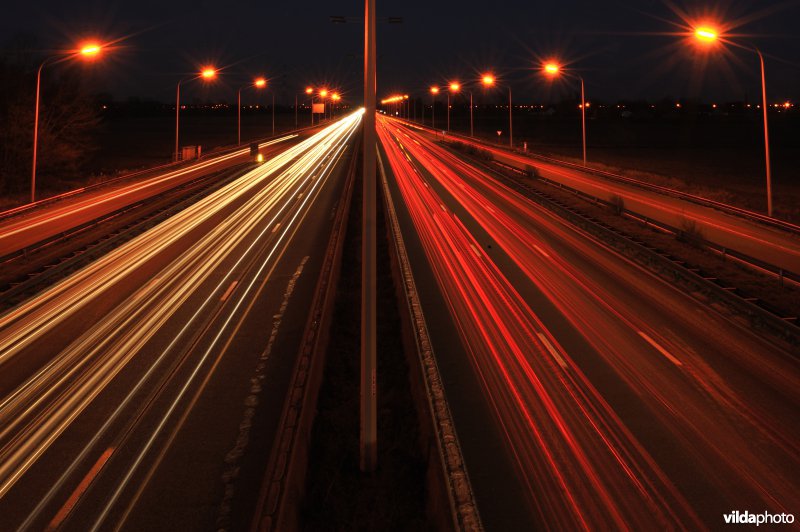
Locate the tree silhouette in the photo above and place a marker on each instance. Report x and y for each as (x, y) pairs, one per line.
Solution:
(68, 120)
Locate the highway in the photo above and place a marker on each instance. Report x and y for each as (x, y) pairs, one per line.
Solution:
(587, 393)
(32, 226)
(769, 244)
(134, 391)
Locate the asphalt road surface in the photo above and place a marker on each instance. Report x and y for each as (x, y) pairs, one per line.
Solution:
(35, 225)
(769, 244)
(587, 393)
(140, 392)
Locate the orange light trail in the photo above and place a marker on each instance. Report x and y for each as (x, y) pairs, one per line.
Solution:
(555, 420)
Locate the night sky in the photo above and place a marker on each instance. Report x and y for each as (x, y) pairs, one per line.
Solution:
(624, 49)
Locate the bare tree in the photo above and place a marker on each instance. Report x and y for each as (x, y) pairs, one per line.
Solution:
(68, 120)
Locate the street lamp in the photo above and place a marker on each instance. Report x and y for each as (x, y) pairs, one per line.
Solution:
(434, 92)
(709, 36)
(259, 83)
(489, 80)
(323, 94)
(452, 88)
(207, 74)
(310, 92)
(335, 97)
(553, 70)
(87, 51)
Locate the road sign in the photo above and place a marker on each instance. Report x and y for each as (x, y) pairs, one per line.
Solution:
(318, 109)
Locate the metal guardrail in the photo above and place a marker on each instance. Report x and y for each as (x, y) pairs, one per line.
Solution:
(103, 245)
(217, 152)
(780, 273)
(675, 270)
(463, 508)
(724, 207)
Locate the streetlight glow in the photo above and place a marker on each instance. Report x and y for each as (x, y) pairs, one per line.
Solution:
(488, 80)
(90, 49)
(552, 69)
(209, 73)
(260, 83)
(706, 34)
(434, 90)
(323, 93)
(455, 86)
(309, 90)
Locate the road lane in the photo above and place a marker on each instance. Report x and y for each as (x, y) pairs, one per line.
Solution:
(656, 402)
(26, 229)
(131, 376)
(769, 244)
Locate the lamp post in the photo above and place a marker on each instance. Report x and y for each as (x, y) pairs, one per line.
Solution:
(323, 94)
(207, 74)
(434, 92)
(709, 36)
(489, 80)
(552, 70)
(310, 92)
(259, 83)
(369, 417)
(335, 97)
(89, 51)
(453, 88)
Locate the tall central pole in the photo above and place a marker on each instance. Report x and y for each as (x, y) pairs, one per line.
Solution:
(369, 418)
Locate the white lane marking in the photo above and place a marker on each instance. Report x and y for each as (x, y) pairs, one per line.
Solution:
(553, 351)
(227, 293)
(540, 250)
(660, 349)
(79, 491)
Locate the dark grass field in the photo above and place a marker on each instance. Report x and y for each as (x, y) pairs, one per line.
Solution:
(718, 156)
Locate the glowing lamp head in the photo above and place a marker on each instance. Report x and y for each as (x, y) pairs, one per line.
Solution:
(552, 69)
(323, 93)
(335, 97)
(90, 49)
(455, 87)
(309, 90)
(706, 34)
(434, 90)
(208, 73)
(260, 83)
(488, 80)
